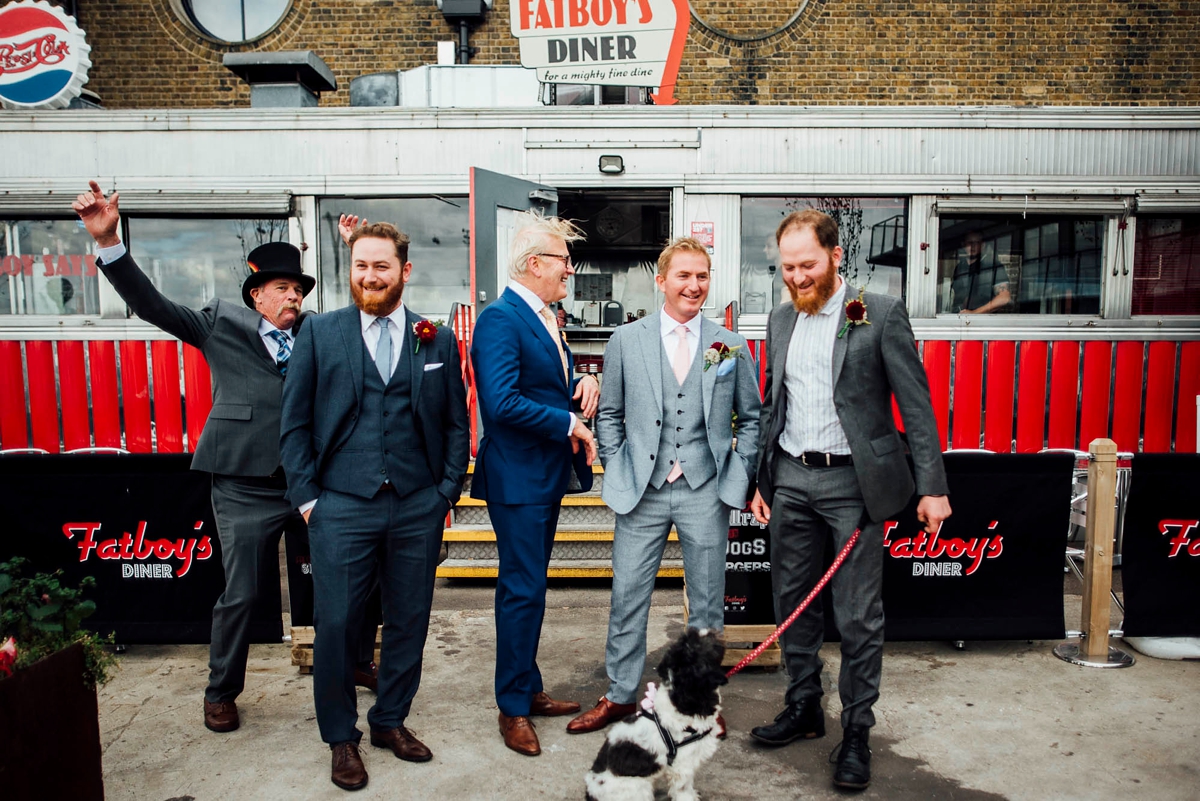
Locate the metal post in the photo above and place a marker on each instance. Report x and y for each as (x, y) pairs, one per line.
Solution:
(1093, 650)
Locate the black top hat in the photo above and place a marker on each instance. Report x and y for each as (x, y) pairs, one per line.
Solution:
(274, 260)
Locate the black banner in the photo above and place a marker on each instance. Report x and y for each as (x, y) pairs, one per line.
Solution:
(1160, 559)
(142, 525)
(748, 598)
(994, 571)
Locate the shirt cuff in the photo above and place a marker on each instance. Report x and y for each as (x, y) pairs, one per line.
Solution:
(110, 254)
(304, 507)
(572, 427)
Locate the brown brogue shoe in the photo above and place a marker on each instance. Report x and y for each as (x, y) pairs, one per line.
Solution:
(403, 744)
(547, 707)
(367, 676)
(221, 716)
(519, 734)
(604, 713)
(349, 773)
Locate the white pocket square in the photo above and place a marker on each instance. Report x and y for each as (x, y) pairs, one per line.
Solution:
(433, 366)
(726, 367)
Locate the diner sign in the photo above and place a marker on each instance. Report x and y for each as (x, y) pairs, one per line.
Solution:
(608, 42)
(43, 56)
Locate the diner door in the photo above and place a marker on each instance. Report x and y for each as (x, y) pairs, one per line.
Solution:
(495, 201)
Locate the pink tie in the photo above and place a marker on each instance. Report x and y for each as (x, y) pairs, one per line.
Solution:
(681, 364)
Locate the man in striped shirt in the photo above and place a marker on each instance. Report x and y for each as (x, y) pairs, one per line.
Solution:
(831, 462)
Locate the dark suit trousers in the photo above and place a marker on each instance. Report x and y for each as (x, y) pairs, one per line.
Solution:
(251, 515)
(810, 505)
(524, 539)
(351, 539)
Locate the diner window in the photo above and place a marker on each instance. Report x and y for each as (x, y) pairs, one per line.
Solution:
(1166, 265)
(871, 230)
(439, 251)
(232, 21)
(1020, 264)
(47, 267)
(192, 261)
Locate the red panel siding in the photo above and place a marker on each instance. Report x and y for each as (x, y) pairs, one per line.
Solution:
(1127, 395)
(72, 387)
(1097, 387)
(968, 393)
(937, 368)
(998, 424)
(43, 395)
(106, 412)
(135, 394)
(14, 427)
(197, 385)
(1189, 388)
(1031, 398)
(1064, 394)
(1160, 396)
(168, 411)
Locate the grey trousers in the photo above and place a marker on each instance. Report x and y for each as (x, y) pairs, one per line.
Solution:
(812, 504)
(702, 522)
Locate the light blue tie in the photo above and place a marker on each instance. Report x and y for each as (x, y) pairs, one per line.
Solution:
(383, 352)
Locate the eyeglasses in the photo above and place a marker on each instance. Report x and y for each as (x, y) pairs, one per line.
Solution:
(566, 259)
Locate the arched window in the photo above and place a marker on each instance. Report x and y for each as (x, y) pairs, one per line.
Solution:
(233, 21)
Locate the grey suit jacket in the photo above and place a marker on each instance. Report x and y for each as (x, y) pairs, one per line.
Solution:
(241, 436)
(629, 422)
(870, 363)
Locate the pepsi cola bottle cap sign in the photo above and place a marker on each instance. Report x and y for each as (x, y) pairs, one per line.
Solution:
(43, 56)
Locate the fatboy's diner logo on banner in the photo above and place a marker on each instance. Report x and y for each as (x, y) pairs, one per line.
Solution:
(43, 56)
(610, 42)
(135, 550)
(923, 548)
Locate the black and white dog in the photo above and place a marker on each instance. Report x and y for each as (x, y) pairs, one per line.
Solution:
(673, 733)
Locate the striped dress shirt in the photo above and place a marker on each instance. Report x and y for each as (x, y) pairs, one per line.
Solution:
(812, 423)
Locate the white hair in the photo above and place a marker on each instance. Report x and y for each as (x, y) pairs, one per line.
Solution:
(533, 228)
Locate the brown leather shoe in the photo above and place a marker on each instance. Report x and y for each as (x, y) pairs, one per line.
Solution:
(519, 734)
(367, 676)
(349, 773)
(547, 707)
(221, 716)
(402, 743)
(604, 713)
(720, 727)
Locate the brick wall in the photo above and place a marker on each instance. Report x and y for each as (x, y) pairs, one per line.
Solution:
(832, 52)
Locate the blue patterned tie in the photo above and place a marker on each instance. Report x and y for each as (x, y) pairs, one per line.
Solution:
(383, 351)
(285, 350)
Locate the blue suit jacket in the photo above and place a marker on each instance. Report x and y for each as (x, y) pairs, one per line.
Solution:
(525, 401)
(323, 393)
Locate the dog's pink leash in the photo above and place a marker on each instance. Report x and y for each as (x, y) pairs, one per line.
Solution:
(765, 644)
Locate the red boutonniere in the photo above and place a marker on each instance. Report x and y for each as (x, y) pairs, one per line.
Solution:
(719, 352)
(424, 331)
(856, 313)
(8, 656)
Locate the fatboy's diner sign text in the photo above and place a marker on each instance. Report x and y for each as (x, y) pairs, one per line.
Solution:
(43, 56)
(609, 42)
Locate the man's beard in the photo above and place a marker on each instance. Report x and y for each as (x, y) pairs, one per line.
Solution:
(377, 305)
(813, 302)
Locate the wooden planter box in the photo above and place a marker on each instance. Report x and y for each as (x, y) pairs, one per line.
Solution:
(50, 732)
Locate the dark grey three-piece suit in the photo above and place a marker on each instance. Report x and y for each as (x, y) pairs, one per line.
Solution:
(239, 446)
(810, 504)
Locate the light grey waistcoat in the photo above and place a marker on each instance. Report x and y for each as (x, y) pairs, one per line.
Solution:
(684, 434)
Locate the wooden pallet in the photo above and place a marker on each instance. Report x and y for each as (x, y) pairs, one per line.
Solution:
(752, 636)
(302, 647)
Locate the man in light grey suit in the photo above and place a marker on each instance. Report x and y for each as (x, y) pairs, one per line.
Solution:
(830, 461)
(247, 349)
(677, 390)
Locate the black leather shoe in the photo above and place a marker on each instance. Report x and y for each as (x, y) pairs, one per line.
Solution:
(801, 720)
(853, 760)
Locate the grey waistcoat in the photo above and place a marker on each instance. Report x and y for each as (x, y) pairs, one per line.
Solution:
(683, 431)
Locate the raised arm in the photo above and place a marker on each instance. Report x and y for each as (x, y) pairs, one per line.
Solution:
(101, 216)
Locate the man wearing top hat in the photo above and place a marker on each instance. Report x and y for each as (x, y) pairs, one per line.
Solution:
(247, 351)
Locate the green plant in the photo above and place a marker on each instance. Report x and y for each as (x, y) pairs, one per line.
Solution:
(43, 616)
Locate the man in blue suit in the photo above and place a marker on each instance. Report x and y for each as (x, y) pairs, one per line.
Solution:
(523, 377)
(375, 443)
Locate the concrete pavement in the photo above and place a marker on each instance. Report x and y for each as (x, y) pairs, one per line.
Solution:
(997, 720)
